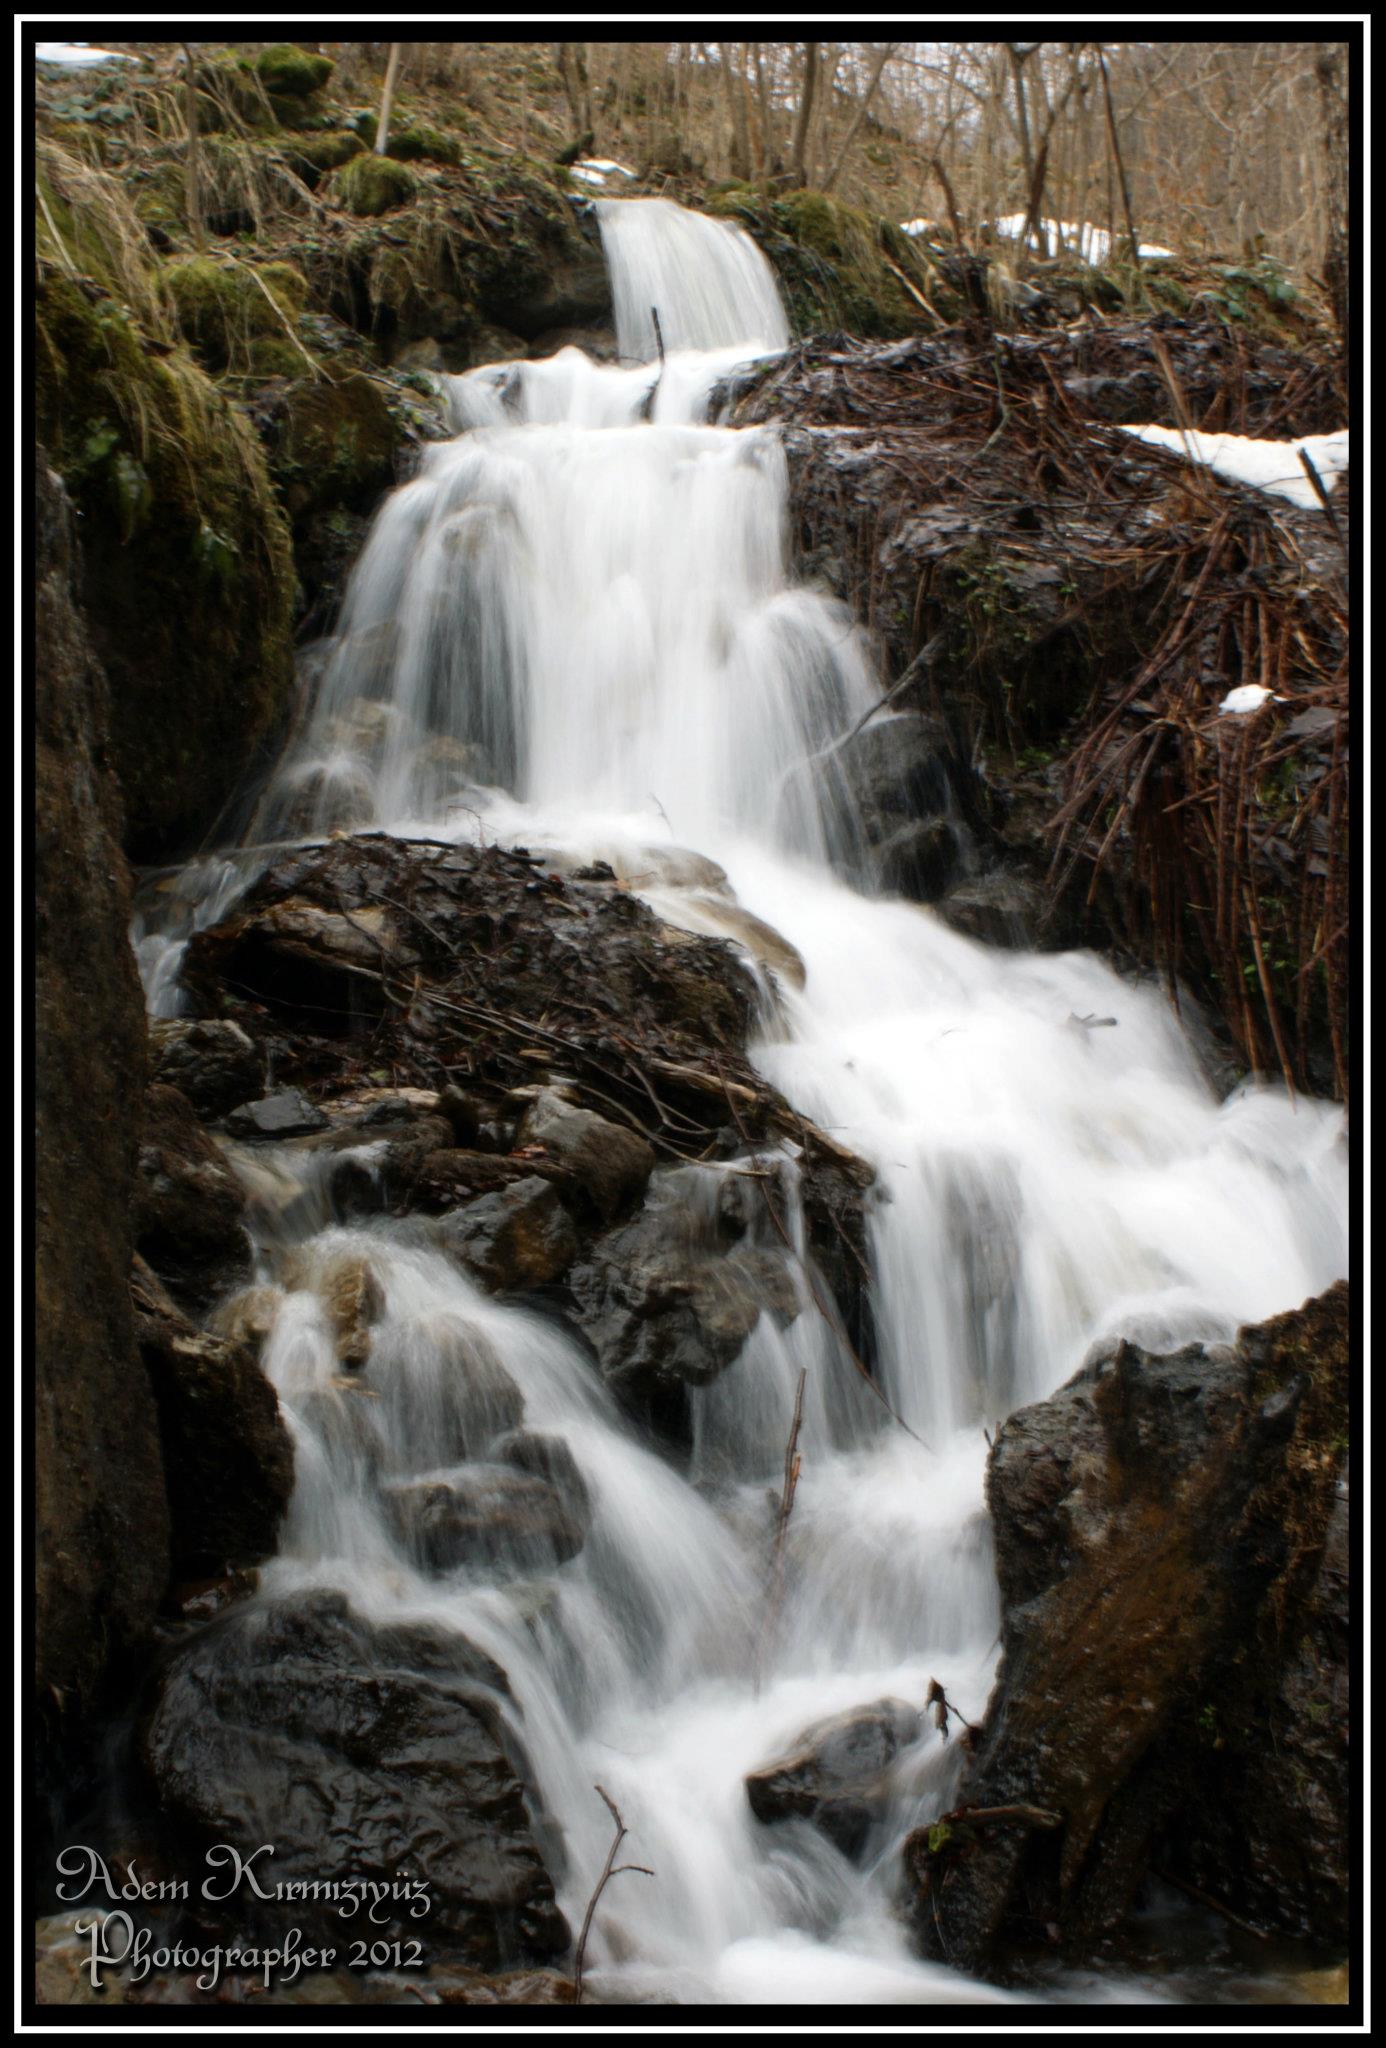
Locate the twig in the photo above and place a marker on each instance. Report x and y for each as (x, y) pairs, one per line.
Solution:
(792, 1465)
(610, 1870)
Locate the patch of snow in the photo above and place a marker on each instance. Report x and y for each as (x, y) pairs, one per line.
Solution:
(1092, 244)
(917, 227)
(1247, 697)
(595, 170)
(80, 54)
(1267, 465)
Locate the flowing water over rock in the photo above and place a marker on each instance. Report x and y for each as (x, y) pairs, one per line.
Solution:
(575, 629)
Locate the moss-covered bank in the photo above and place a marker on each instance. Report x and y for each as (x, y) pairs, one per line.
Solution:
(189, 576)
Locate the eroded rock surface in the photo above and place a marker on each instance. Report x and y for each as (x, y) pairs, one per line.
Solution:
(1168, 1545)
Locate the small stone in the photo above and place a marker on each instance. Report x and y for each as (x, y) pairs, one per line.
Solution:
(288, 1114)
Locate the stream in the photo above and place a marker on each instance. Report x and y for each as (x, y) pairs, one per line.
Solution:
(581, 612)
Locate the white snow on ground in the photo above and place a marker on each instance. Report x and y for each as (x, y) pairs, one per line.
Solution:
(78, 53)
(1247, 697)
(917, 227)
(1092, 244)
(595, 170)
(1268, 465)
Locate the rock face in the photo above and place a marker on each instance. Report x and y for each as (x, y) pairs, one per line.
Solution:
(188, 566)
(360, 1752)
(188, 1204)
(1169, 1553)
(102, 1519)
(211, 1061)
(228, 1457)
(836, 1773)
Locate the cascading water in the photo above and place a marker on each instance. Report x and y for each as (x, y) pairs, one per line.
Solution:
(576, 627)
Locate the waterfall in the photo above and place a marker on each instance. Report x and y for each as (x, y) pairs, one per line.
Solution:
(577, 627)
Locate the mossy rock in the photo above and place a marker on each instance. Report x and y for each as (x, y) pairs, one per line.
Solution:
(230, 91)
(332, 445)
(189, 578)
(291, 72)
(369, 185)
(313, 156)
(837, 266)
(417, 142)
(223, 306)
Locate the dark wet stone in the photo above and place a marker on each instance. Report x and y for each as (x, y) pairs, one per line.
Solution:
(519, 1237)
(361, 1751)
(289, 1114)
(1165, 1531)
(836, 1773)
(211, 1060)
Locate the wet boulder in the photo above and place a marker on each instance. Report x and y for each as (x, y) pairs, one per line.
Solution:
(607, 1163)
(188, 1204)
(227, 1453)
(837, 1772)
(443, 1392)
(1164, 1534)
(492, 1517)
(519, 1237)
(896, 769)
(361, 1751)
(669, 1299)
(215, 1063)
(1000, 908)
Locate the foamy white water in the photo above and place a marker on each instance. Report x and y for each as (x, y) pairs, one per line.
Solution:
(577, 627)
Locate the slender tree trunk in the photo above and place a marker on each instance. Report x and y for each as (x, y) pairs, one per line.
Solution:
(850, 137)
(387, 99)
(734, 85)
(1116, 158)
(1330, 68)
(767, 133)
(801, 126)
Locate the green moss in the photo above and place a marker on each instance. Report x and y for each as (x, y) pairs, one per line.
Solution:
(285, 68)
(418, 142)
(222, 306)
(333, 445)
(188, 574)
(231, 94)
(369, 185)
(838, 267)
(313, 155)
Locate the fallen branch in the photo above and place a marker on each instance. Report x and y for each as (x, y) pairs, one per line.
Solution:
(610, 1870)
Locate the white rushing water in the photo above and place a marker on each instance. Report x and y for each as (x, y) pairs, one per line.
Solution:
(576, 629)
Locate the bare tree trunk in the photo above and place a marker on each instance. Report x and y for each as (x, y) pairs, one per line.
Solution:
(734, 85)
(1330, 68)
(850, 137)
(387, 99)
(193, 167)
(767, 137)
(801, 126)
(1116, 157)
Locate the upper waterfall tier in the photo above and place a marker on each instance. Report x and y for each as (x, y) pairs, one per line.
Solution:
(709, 283)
